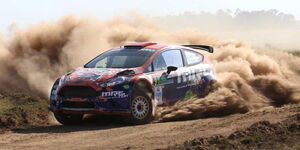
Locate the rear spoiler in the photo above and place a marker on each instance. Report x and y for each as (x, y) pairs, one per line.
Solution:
(201, 47)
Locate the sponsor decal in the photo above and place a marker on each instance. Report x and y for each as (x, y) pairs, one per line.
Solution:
(163, 80)
(198, 83)
(192, 74)
(183, 76)
(126, 86)
(189, 94)
(186, 85)
(158, 90)
(114, 94)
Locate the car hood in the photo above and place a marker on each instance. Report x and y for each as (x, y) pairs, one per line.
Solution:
(87, 75)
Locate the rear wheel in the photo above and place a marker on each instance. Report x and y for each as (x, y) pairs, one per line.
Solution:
(141, 109)
(211, 86)
(68, 119)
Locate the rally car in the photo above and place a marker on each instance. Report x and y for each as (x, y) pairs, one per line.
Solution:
(132, 80)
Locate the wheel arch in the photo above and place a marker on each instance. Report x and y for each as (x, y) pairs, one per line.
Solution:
(143, 85)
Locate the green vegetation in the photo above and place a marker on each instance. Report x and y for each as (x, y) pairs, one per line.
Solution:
(22, 110)
(295, 53)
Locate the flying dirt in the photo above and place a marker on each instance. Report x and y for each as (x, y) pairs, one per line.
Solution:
(248, 79)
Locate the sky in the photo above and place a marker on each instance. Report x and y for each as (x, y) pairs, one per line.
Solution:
(24, 12)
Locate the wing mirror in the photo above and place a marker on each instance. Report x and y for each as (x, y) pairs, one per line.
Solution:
(171, 68)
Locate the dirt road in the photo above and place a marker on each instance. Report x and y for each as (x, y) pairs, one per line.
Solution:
(150, 136)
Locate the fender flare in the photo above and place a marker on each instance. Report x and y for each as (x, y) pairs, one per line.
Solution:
(143, 85)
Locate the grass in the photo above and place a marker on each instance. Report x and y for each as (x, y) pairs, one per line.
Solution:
(295, 53)
(22, 110)
(5, 106)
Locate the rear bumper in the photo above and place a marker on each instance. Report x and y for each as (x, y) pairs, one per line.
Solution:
(88, 111)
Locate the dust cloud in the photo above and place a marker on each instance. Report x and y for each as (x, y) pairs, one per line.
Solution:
(248, 79)
(262, 28)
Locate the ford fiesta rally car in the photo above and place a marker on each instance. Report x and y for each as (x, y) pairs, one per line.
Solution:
(132, 80)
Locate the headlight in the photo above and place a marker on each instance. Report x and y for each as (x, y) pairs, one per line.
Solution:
(114, 81)
(53, 93)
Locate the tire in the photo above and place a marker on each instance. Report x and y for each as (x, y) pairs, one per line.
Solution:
(68, 119)
(141, 109)
(211, 86)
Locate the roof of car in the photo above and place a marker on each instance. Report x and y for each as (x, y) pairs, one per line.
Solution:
(150, 45)
(159, 47)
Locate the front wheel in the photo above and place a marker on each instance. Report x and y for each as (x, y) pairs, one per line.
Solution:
(141, 109)
(68, 119)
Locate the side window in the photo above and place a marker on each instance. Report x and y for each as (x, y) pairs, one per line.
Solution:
(192, 58)
(149, 68)
(168, 58)
(173, 58)
(159, 63)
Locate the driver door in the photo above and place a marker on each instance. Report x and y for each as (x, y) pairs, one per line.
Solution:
(166, 87)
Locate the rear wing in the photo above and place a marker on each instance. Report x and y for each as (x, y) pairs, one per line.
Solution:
(201, 47)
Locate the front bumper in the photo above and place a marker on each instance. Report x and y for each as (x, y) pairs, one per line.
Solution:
(109, 100)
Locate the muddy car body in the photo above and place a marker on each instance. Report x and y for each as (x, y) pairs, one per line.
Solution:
(132, 81)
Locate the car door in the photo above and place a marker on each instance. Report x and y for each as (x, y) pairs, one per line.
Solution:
(165, 85)
(195, 73)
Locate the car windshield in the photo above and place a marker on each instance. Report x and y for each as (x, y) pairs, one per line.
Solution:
(121, 58)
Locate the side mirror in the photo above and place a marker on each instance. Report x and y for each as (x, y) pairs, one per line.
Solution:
(171, 68)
